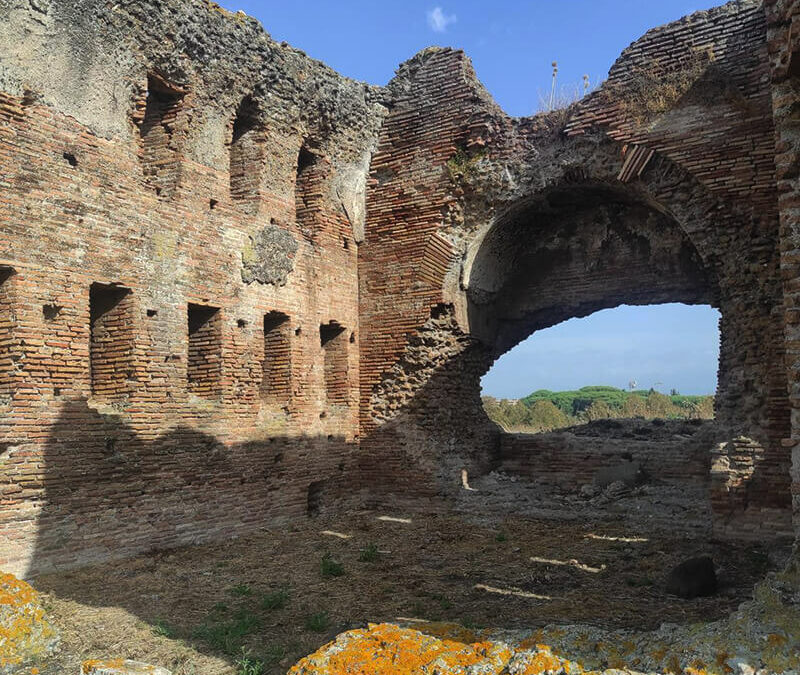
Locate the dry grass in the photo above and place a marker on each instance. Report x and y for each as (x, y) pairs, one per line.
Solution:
(269, 594)
(652, 90)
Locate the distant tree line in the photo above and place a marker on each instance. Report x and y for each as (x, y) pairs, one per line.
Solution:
(544, 410)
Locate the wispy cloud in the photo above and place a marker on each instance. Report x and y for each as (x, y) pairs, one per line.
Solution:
(438, 20)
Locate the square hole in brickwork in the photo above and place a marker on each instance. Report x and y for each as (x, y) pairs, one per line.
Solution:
(794, 65)
(6, 273)
(50, 311)
(204, 363)
(111, 342)
(308, 195)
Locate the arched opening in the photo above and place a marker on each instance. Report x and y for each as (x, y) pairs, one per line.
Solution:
(581, 248)
(573, 251)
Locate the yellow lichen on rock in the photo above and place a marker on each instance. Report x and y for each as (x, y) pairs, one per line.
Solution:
(539, 662)
(25, 634)
(384, 649)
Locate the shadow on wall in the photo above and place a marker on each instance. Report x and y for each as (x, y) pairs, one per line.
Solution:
(431, 423)
(109, 493)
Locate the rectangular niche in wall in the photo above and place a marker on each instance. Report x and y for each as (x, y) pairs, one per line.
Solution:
(277, 368)
(111, 341)
(333, 339)
(160, 137)
(308, 192)
(247, 152)
(7, 322)
(204, 365)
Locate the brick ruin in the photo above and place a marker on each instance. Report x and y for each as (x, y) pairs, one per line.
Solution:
(236, 287)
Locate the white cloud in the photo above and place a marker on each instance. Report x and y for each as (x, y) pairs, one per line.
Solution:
(439, 21)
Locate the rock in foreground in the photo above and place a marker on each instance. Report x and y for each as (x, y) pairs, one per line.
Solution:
(384, 649)
(120, 667)
(25, 634)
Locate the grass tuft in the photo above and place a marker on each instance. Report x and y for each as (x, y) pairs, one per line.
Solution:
(242, 590)
(275, 600)
(330, 567)
(246, 665)
(226, 635)
(369, 553)
(318, 622)
(164, 629)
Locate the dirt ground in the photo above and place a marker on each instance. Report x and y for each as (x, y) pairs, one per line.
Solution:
(257, 605)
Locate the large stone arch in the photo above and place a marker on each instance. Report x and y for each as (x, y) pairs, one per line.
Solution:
(475, 186)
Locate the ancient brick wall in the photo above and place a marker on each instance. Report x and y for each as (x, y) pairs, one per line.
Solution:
(413, 354)
(675, 451)
(783, 42)
(148, 398)
(227, 271)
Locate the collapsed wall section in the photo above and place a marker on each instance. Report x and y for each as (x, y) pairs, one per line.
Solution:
(413, 352)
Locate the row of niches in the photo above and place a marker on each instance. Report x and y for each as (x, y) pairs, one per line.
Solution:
(163, 126)
(117, 350)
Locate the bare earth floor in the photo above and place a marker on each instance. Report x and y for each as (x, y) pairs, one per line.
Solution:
(198, 610)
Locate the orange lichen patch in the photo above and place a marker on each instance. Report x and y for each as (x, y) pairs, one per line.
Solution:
(540, 662)
(776, 640)
(721, 659)
(384, 649)
(14, 591)
(532, 640)
(24, 633)
(538, 637)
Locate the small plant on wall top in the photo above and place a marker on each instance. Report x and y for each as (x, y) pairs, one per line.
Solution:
(463, 161)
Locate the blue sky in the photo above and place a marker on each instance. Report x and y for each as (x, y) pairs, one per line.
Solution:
(666, 347)
(512, 44)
